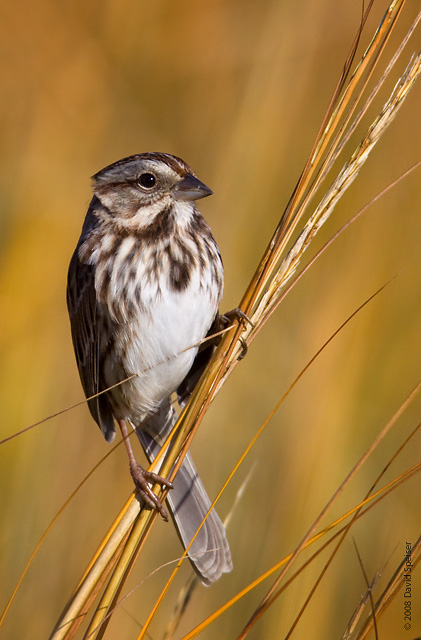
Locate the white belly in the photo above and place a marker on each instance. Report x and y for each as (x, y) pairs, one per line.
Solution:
(159, 347)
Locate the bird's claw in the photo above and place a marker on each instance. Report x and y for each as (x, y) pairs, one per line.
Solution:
(244, 348)
(239, 315)
(236, 314)
(142, 480)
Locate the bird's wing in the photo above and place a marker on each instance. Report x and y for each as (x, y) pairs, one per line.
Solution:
(86, 329)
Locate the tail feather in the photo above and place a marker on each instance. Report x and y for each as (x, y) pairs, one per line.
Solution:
(188, 504)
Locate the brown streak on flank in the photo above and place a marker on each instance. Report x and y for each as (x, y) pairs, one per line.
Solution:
(179, 275)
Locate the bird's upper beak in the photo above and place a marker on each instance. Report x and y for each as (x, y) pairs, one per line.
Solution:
(190, 188)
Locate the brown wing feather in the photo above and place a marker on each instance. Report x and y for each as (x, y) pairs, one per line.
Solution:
(85, 325)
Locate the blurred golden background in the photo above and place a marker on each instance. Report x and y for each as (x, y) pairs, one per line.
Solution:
(237, 89)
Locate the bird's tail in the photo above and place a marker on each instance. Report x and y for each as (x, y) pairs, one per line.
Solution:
(189, 503)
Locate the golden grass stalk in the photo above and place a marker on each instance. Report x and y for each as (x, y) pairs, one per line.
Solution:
(324, 149)
(310, 538)
(344, 180)
(358, 512)
(274, 592)
(122, 544)
(394, 585)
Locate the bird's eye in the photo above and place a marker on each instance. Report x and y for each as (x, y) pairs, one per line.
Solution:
(147, 180)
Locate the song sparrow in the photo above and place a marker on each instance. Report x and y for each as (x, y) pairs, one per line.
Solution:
(144, 285)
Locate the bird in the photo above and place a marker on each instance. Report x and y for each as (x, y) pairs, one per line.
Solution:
(144, 287)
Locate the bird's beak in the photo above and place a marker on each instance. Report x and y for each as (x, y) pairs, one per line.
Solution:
(190, 188)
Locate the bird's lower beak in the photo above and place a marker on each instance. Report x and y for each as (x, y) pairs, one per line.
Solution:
(190, 188)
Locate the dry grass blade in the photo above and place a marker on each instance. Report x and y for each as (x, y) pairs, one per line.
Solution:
(303, 193)
(395, 584)
(360, 609)
(119, 549)
(124, 565)
(96, 573)
(358, 118)
(345, 178)
(192, 583)
(360, 510)
(183, 600)
(49, 528)
(368, 596)
(356, 513)
(274, 592)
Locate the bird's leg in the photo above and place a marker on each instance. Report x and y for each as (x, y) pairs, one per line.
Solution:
(141, 477)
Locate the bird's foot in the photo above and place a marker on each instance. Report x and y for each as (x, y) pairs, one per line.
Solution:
(235, 314)
(142, 480)
(229, 317)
